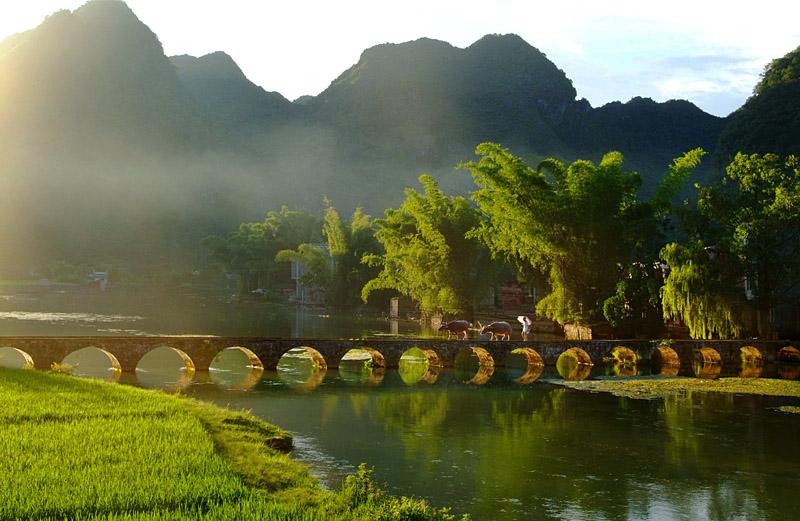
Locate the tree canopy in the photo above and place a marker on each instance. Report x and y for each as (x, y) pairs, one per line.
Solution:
(338, 268)
(250, 251)
(428, 255)
(581, 225)
(753, 235)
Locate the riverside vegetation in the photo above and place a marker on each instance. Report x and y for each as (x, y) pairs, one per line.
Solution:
(87, 450)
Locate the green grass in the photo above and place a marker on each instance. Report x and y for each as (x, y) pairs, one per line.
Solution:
(651, 387)
(87, 450)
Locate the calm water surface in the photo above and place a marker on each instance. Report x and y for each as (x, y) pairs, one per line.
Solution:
(506, 451)
(498, 451)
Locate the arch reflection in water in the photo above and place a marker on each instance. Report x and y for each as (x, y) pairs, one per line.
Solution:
(574, 364)
(789, 354)
(302, 367)
(359, 366)
(788, 371)
(474, 366)
(419, 366)
(524, 365)
(236, 368)
(750, 363)
(91, 362)
(707, 363)
(16, 358)
(665, 361)
(621, 361)
(165, 368)
(621, 369)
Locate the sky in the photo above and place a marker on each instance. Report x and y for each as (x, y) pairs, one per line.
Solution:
(708, 52)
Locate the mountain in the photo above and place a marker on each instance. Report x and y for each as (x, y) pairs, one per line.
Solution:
(99, 140)
(113, 152)
(97, 76)
(769, 121)
(222, 89)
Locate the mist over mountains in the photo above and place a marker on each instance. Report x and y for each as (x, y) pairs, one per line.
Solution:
(113, 152)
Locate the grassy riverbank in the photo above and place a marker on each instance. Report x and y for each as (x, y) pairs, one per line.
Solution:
(650, 387)
(85, 450)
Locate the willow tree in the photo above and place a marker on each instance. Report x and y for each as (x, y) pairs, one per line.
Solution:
(701, 289)
(428, 255)
(581, 225)
(755, 213)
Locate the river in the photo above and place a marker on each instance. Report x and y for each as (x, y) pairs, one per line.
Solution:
(498, 451)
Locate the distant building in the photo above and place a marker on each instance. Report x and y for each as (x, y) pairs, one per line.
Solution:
(98, 277)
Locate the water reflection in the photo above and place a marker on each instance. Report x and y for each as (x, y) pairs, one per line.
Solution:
(504, 451)
(165, 368)
(750, 370)
(524, 366)
(357, 367)
(415, 367)
(236, 368)
(570, 367)
(299, 369)
(706, 369)
(789, 371)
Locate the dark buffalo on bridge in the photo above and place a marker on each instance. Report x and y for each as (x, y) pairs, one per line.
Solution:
(456, 327)
(498, 329)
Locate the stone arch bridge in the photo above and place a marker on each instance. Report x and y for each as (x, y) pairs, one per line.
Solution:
(199, 351)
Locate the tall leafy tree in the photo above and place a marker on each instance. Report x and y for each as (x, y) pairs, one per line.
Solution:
(338, 268)
(702, 290)
(428, 255)
(756, 212)
(582, 225)
(250, 251)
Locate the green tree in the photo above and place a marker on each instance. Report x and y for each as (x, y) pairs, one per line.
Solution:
(756, 210)
(428, 255)
(582, 226)
(701, 289)
(338, 268)
(250, 251)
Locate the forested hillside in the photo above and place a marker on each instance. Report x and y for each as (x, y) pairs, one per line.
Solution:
(114, 153)
(769, 122)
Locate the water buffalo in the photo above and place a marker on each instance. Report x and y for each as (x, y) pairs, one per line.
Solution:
(498, 329)
(456, 327)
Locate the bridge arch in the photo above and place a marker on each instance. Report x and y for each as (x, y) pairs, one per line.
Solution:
(316, 357)
(13, 357)
(362, 365)
(376, 357)
(666, 360)
(534, 365)
(707, 363)
(574, 364)
(485, 361)
(236, 367)
(94, 362)
(750, 362)
(622, 354)
(789, 354)
(413, 370)
(188, 363)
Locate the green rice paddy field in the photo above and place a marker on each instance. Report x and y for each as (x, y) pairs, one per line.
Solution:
(86, 450)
